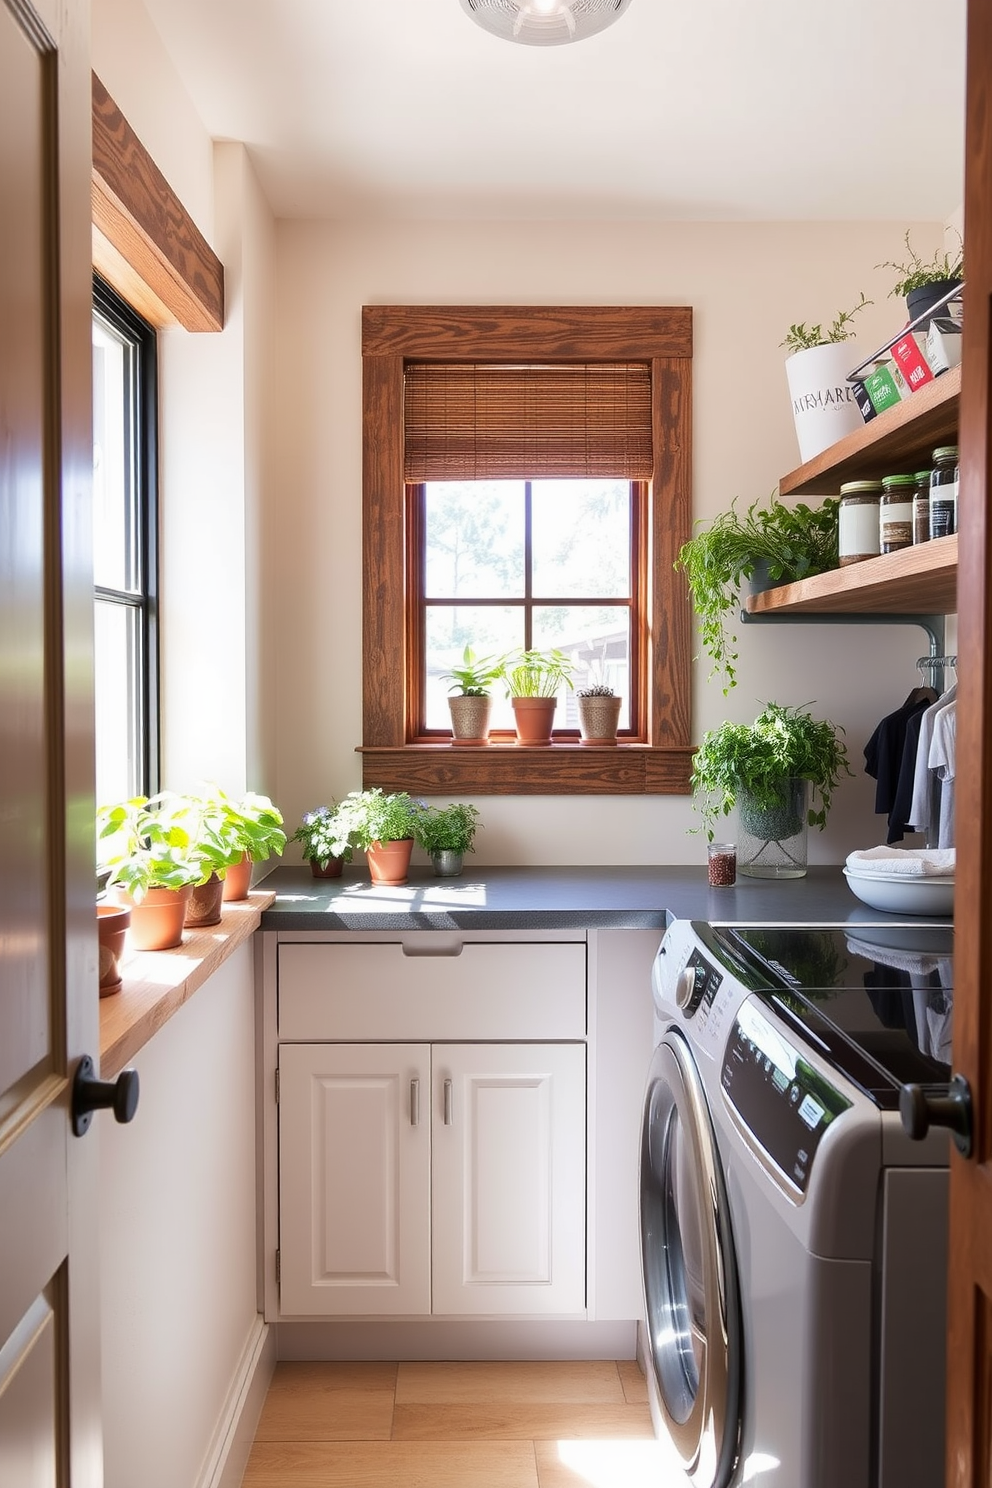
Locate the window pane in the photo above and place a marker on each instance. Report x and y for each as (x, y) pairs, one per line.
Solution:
(116, 675)
(114, 558)
(490, 631)
(581, 538)
(475, 539)
(597, 640)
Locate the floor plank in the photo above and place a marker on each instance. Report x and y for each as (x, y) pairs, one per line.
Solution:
(633, 1383)
(329, 1402)
(514, 1421)
(391, 1465)
(568, 1381)
(613, 1464)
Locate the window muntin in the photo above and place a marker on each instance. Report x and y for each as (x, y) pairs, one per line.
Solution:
(124, 523)
(526, 564)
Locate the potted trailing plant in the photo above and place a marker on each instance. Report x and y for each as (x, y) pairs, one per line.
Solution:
(923, 282)
(446, 833)
(599, 714)
(385, 825)
(780, 772)
(470, 703)
(767, 544)
(151, 863)
(325, 835)
(823, 403)
(533, 680)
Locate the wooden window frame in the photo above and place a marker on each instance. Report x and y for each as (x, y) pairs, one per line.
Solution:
(393, 335)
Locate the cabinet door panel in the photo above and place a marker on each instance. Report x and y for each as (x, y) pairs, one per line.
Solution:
(354, 1179)
(490, 990)
(509, 1179)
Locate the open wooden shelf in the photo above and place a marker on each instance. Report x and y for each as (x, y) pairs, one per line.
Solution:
(917, 580)
(901, 440)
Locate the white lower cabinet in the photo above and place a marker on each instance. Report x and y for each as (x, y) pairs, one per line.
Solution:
(444, 1178)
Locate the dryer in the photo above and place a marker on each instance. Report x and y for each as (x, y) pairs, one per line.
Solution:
(793, 1237)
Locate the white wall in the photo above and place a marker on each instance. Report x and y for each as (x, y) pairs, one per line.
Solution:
(177, 1239)
(746, 283)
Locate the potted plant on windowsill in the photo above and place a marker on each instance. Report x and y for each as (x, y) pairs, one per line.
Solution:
(470, 703)
(253, 827)
(446, 833)
(385, 826)
(533, 679)
(824, 408)
(151, 867)
(773, 544)
(767, 770)
(325, 836)
(599, 714)
(922, 283)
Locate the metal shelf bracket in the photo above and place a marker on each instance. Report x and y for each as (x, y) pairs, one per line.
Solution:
(932, 624)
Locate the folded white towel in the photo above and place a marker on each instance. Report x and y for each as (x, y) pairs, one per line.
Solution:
(917, 963)
(905, 862)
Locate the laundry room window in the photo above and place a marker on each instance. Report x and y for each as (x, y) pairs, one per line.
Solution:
(124, 549)
(526, 485)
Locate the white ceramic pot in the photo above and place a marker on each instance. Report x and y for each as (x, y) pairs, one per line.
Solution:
(823, 404)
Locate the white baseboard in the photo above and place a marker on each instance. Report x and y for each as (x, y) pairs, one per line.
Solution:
(448, 1339)
(228, 1455)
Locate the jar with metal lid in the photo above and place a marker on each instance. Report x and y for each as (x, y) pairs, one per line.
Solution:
(921, 507)
(895, 513)
(944, 491)
(858, 522)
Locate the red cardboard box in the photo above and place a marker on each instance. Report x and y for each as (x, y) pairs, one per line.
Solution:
(909, 355)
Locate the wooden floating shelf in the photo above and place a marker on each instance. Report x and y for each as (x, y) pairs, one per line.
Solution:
(900, 440)
(917, 580)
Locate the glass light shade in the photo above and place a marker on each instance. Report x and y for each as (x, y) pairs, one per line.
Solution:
(544, 22)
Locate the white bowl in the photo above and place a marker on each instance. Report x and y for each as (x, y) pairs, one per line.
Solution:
(914, 896)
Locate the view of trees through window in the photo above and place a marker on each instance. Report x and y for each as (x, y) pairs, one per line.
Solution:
(515, 564)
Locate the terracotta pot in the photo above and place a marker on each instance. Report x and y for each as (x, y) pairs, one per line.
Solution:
(331, 870)
(237, 880)
(204, 904)
(389, 862)
(534, 717)
(112, 923)
(157, 922)
(470, 720)
(598, 719)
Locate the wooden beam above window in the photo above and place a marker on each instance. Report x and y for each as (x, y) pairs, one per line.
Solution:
(145, 244)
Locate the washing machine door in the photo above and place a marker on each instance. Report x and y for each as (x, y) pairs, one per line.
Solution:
(691, 1298)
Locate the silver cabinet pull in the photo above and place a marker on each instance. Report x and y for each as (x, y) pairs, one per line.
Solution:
(414, 1102)
(447, 1102)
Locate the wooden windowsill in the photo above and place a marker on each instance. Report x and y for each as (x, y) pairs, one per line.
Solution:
(157, 983)
(499, 769)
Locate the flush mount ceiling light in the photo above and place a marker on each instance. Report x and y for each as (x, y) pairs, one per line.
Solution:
(544, 22)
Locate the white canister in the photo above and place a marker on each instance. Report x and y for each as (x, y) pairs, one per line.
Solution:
(823, 403)
(858, 527)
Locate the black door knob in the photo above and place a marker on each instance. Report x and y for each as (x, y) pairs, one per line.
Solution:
(90, 1094)
(924, 1106)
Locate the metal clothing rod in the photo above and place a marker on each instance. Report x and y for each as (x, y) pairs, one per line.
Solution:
(932, 661)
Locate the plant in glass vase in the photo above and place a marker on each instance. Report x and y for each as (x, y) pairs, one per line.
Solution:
(767, 770)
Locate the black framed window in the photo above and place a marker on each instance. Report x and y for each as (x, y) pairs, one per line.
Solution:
(125, 523)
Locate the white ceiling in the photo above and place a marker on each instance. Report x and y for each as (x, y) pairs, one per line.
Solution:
(719, 110)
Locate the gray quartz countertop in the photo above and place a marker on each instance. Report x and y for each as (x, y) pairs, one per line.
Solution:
(487, 898)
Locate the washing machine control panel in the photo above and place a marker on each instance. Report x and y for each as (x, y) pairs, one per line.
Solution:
(697, 982)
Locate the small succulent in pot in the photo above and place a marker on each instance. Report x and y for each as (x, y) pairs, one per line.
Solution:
(599, 713)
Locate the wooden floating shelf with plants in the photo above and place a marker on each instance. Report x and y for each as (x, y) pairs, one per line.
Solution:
(917, 580)
(900, 440)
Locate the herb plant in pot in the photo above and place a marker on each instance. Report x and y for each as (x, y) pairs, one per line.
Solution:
(470, 703)
(924, 282)
(151, 867)
(780, 543)
(780, 773)
(824, 408)
(446, 833)
(533, 680)
(325, 835)
(385, 825)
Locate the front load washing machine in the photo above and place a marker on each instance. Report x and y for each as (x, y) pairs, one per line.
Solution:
(793, 1237)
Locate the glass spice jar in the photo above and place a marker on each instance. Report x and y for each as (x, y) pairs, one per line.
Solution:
(921, 507)
(895, 513)
(944, 491)
(858, 521)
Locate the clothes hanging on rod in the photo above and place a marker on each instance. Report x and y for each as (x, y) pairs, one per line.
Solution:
(932, 806)
(891, 766)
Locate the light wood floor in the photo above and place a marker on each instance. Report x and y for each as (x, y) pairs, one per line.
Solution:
(576, 1424)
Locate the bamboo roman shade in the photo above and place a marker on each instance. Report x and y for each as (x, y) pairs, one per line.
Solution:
(473, 421)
